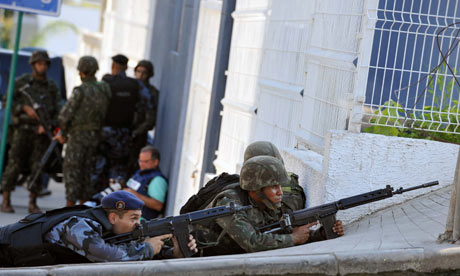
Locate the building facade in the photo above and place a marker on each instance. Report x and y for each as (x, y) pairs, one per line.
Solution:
(305, 75)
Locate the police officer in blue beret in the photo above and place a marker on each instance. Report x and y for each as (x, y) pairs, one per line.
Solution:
(75, 235)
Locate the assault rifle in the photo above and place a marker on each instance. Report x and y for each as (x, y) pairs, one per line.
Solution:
(44, 160)
(39, 110)
(47, 126)
(325, 214)
(180, 226)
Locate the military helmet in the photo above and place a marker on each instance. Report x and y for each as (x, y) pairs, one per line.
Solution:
(148, 65)
(262, 148)
(39, 55)
(262, 171)
(87, 65)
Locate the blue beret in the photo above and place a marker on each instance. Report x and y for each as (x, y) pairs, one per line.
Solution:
(122, 200)
(120, 59)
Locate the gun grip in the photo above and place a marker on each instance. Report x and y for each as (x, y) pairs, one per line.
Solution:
(327, 223)
(182, 233)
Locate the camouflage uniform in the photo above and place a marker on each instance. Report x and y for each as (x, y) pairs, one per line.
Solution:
(81, 120)
(239, 232)
(27, 146)
(84, 236)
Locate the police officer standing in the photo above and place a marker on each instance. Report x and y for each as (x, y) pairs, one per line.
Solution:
(119, 122)
(30, 141)
(81, 121)
(147, 113)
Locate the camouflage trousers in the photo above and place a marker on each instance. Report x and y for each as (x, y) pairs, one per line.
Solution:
(25, 154)
(79, 163)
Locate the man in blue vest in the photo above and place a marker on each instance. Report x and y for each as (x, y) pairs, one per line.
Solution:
(148, 183)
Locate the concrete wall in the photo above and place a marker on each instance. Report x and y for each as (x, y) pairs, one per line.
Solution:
(359, 163)
(291, 76)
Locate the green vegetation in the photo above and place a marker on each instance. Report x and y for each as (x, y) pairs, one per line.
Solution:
(433, 122)
(52, 28)
(6, 26)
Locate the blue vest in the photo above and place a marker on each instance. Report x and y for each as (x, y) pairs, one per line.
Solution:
(142, 179)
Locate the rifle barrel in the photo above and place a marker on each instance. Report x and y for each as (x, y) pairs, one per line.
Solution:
(426, 185)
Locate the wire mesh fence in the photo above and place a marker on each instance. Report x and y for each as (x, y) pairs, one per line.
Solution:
(412, 82)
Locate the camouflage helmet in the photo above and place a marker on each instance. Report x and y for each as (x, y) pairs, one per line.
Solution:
(148, 65)
(87, 65)
(39, 55)
(262, 171)
(262, 148)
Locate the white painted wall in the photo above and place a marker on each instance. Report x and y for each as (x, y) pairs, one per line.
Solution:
(281, 48)
(292, 63)
(127, 28)
(360, 163)
(246, 53)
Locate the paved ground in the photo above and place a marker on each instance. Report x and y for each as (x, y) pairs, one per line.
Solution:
(20, 201)
(396, 241)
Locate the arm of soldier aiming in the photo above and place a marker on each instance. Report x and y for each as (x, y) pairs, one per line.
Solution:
(239, 228)
(84, 237)
(325, 214)
(180, 226)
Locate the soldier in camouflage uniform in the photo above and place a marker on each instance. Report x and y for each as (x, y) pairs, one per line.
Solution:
(261, 180)
(30, 141)
(81, 120)
(293, 194)
(76, 235)
(146, 114)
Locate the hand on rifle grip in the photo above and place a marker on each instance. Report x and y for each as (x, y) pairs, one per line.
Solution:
(338, 228)
(30, 112)
(191, 245)
(158, 242)
(301, 234)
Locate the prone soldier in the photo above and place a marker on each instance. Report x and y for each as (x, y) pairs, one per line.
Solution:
(29, 140)
(76, 234)
(261, 182)
(81, 121)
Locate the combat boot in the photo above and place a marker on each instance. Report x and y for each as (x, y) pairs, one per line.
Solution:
(33, 208)
(6, 204)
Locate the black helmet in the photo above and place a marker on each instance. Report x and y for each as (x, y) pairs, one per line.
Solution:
(148, 65)
(39, 55)
(87, 65)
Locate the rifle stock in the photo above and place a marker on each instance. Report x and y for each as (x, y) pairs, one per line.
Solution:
(326, 213)
(180, 226)
(43, 161)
